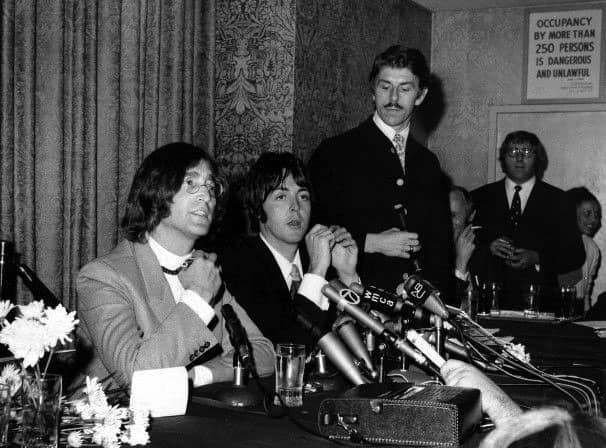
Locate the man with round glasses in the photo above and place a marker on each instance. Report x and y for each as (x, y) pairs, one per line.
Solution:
(528, 233)
(153, 302)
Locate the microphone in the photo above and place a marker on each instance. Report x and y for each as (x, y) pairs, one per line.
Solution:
(389, 303)
(238, 338)
(346, 329)
(401, 212)
(333, 348)
(454, 348)
(422, 293)
(346, 300)
(36, 287)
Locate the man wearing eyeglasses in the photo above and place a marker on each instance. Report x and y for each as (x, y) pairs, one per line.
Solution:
(153, 302)
(528, 233)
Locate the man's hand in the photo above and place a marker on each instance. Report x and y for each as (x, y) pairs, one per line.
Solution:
(502, 248)
(464, 247)
(523, 259)
(319, 242)
(393, 243)
(202, 276)
(344, 255)
(495, 402)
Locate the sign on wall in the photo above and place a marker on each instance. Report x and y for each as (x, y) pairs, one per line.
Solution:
(564, 55)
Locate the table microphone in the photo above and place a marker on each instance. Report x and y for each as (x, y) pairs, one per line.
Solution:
(238, 337)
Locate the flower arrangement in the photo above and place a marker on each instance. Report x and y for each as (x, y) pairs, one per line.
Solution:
(38, 330)
(35, 331)
(99, 423)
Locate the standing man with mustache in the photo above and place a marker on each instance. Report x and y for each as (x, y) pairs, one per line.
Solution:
(272, 272)
(372, 176)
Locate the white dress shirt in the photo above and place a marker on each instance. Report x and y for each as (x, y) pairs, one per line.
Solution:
(311, 285)
(524, 192)
(201, 375)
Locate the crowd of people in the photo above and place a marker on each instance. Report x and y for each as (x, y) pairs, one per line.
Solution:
(375, 205)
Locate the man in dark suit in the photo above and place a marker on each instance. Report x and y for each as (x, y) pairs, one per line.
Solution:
(372, 176)
(153, 302)
(265, 271)
(528, 234)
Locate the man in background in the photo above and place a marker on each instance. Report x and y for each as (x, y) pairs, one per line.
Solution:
(383, 186)
(528, 234)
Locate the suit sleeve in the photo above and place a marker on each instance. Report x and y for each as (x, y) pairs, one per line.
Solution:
(262, 349)
(109, 306)
(326, 181)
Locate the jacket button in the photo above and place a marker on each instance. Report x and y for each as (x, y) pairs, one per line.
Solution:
(206, 345)
(191, 357)
(399, 181)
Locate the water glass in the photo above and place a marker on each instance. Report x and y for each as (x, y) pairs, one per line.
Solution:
(41, 401)
(491, 293)
(470, 303)
(5, 412)
(568, 295)
(290, 367)
(531, 295)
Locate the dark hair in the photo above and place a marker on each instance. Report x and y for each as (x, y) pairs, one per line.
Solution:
(267, 174)
(398, 56)
(156, 182)
(520, 137)
(576, 196)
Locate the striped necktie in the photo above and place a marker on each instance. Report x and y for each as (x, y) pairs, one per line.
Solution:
(295, 277)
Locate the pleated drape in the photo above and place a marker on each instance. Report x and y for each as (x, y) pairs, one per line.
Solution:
(87, 89)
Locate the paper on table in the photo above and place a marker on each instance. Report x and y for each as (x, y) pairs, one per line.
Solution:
(162, 391)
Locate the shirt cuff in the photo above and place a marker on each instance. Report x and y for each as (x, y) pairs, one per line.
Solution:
(202, 376)
(311, 288)
(198, 305)
(462, 275)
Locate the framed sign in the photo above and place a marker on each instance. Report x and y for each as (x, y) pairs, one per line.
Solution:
(564, 55)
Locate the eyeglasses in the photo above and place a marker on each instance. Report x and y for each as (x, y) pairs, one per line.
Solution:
(520, 152)
(212, 188)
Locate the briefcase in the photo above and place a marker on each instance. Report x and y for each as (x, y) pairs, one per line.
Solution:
(402, 414)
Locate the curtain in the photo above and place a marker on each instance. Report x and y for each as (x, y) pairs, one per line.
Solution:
(87, 89)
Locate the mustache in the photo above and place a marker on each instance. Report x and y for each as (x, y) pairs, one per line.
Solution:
(395, 105)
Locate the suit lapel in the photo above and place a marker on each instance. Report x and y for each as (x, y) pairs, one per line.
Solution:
(159, 296)
(272, 276)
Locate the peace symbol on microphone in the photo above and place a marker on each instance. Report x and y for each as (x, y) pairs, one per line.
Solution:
(349, 296)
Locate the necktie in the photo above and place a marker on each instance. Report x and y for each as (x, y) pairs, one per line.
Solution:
(185, 265)
(295, 276)
(515, 212)
(399, 144)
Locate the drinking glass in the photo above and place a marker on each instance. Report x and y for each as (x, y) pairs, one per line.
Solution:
(491, 293)
(290, 367)
(41, 401)
(568, 295)
(5, 412)
(531, 295)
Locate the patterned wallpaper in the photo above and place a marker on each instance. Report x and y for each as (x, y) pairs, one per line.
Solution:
(478, 57)
(254, 43)
(337, 41)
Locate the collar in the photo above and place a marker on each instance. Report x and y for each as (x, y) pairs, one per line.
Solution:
(524, 192)
(165, 257)
(283, 263)
(389, 132)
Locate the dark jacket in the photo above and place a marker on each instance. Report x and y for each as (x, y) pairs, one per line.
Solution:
(547, 226)
(254, 278)
(357, 179)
